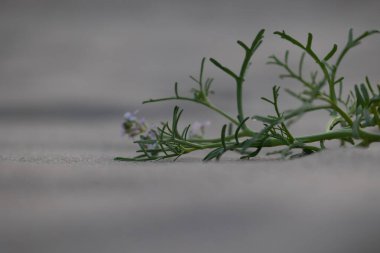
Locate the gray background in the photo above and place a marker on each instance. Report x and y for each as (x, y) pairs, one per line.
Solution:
(70, 69)
(104, 57)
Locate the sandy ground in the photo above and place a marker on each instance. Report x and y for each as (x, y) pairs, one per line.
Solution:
(62, 193)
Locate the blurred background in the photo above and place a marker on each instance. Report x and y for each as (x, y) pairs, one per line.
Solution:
(70, 69)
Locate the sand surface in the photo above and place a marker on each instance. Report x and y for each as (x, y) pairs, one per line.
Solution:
(62, 193)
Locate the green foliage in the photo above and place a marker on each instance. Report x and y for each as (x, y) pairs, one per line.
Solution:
(322, 89)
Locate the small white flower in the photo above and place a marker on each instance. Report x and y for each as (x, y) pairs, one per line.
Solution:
(132, 126)
(198, 129)
(130, 116)
(150, 135)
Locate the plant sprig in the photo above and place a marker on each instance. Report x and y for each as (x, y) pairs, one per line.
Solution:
(350, 117)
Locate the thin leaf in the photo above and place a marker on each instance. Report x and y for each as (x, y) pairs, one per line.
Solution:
(369, 86)
(350, 36)
(230, 129)
(268, 120)
(257, 41)
(309, 41)
(340, 90)
(283, 35)
(355, 127)
(223, 68)
(252, 154)
(176, 89)
(194, 79)
(286, 58)
(185, 131)
(300, 65)
(201, 72)
(375, 99)
(275, 60)
(313, 76)
(359, 97)
(295, 95)
(223, 136)
(244, 46)
(214, 154)
(239, 128)
(267, 100)
(208, 86)
(363, 88)
(339, 80)
(285, 76)
(331, 53)
(367, 117)
(176, 116)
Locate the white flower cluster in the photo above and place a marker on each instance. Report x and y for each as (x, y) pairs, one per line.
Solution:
(198, 129)
(134, 126)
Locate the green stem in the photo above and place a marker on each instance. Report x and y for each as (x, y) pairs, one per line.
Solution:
(298, 78)
(336, 134)
(331, 83)
(243, 133)
(207, 104)
(239, 87)
(331, 135)
(304, 109)
(239, 97)
(370, 137)
(270, 142)
(338, 110)
(249, 51)
(329, 79)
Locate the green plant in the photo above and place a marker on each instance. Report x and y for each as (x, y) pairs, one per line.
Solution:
(350, 117)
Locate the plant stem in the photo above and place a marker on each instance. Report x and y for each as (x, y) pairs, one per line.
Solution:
(244, 133)
(304, 109)
(331, 135)
(338, 110)
(239, 88)
(330, 81)
(240, 80)
(207, 104)
(273, 142)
